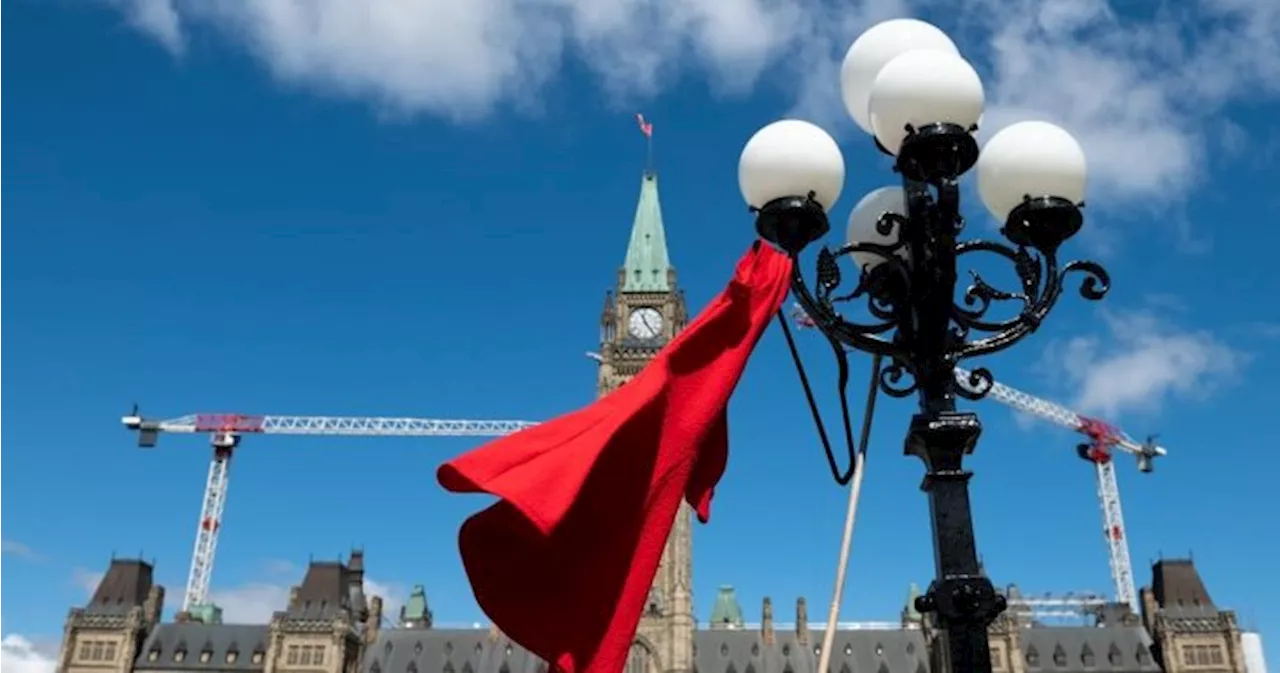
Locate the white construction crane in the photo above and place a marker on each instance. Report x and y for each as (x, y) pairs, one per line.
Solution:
(1104, 439)
(225, 431)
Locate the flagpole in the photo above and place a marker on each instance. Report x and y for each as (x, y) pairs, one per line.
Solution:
(648, 153)
(646, 127)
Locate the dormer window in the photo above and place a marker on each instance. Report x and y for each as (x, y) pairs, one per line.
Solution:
(206, 656)
(257, 657)
(179, 655)
(154, 654)
(232, 656)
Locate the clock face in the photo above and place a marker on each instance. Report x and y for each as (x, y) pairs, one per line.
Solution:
(645, 323)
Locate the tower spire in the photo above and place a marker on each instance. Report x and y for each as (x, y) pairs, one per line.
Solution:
(647, 267)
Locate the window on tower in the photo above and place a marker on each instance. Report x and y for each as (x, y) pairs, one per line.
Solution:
(638, 659)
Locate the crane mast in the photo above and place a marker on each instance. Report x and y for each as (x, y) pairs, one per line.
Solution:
(1103, 439)
(225, 431)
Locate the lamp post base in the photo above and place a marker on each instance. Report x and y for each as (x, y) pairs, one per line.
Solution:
(962, 599)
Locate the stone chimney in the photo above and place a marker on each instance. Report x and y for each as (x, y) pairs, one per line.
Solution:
(802, 621)
(374, 622)
(152, 609)
(766, 622)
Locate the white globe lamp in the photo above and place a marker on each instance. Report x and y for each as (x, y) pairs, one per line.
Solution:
(864, 224)
(922, 89)
(1031, 176)
(791, 172)
(875, 48)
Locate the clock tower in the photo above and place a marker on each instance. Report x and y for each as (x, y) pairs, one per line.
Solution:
(644, 312)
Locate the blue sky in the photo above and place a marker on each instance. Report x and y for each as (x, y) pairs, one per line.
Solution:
(417, 212)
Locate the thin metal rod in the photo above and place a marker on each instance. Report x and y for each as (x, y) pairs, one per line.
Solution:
(851, 514)
(842, 359)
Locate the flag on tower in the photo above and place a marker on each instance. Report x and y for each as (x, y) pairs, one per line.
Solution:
(646, 127)
(564, 561)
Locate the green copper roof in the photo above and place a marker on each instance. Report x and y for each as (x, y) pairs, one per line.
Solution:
(415, 609)
(206, 613)
(912, 594)
(726, 613)
(647, 263)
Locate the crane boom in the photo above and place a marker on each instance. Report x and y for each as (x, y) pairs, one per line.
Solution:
(1060, 415)
(357, 426)
(225, 431)
(1103, 439)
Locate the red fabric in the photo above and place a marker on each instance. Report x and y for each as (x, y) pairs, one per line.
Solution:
(564, 561)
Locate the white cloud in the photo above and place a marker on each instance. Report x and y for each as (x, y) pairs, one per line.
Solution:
(254, 603)
(1140, 364)
(157, 19)
(1141, 95)
(18, 549)
(1145, 95)
(20, 655)
(87, 580)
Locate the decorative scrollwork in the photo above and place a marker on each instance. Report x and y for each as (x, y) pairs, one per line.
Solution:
(904, 301)
(976, 385)
(1096, 282)
(891, 376)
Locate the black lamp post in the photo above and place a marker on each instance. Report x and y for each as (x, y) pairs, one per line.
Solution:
(905, 82)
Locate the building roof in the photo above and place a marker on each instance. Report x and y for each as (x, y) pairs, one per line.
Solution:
(415, 610)
(125, 585)
(447, 651)
(726, 613)
(1052, 649)
(193, 639)
(1072, 649)
(647, 264)
(1176, 584)
(330, 587)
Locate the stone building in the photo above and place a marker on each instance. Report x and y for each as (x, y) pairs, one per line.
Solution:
(330, 626)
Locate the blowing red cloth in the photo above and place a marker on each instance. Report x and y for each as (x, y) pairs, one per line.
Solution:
(563, 563)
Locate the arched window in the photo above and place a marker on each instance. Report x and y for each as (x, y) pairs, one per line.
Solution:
(638, 660)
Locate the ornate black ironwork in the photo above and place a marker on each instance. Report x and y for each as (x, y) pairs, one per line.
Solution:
(918, 331)
(922, 339)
